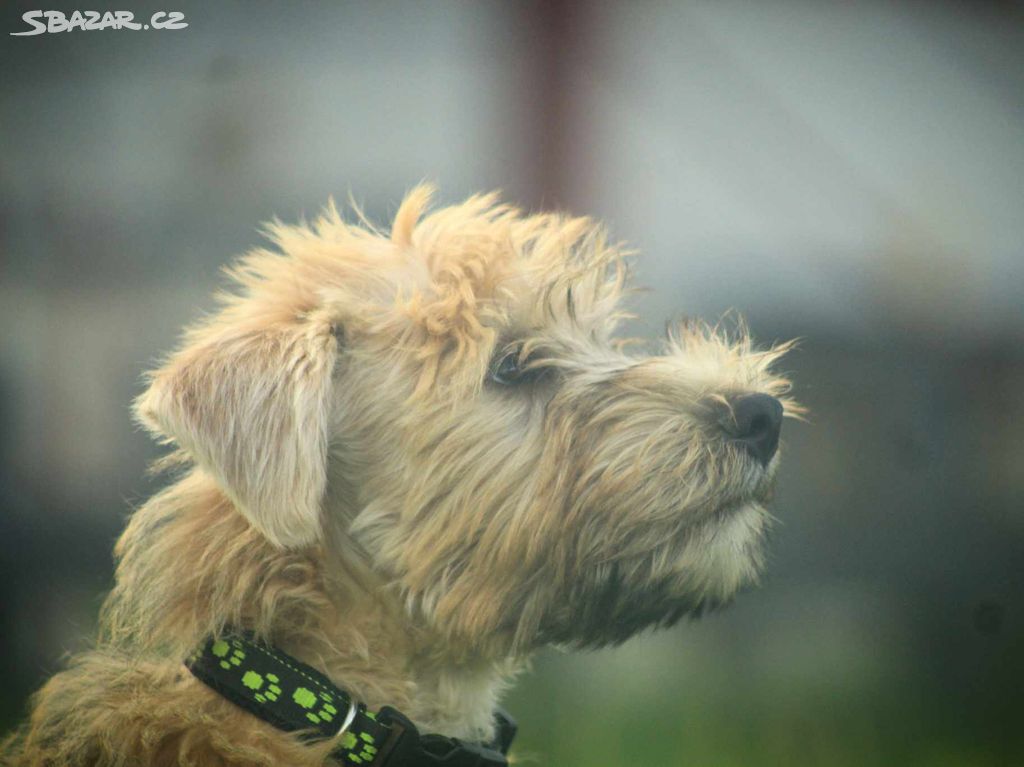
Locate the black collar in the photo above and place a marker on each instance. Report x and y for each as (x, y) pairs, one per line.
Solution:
(295, 697)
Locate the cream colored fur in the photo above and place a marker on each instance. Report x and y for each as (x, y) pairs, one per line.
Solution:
(356, 490)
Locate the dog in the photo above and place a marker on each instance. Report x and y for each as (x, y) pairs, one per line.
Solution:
(406, 461)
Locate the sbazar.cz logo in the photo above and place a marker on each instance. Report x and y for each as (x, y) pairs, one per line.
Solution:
(42, 22)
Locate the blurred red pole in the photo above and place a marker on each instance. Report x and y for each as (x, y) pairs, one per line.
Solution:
(554, 131)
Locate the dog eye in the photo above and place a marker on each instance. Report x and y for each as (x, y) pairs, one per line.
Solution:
(507, 370)
(511, 368)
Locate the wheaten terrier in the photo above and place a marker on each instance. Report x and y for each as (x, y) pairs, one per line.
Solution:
(407, 461)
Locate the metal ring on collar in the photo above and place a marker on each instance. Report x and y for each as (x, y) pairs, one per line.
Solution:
(350, 716)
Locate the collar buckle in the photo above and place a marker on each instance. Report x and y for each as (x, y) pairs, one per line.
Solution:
(406, 747)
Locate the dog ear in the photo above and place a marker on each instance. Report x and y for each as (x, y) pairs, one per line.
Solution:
(252, 407)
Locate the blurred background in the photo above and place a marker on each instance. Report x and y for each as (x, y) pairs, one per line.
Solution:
(848, 173)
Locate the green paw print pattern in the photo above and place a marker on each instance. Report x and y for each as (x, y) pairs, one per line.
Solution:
(320, 707)
(360, 747)
(230, 653)
(287, 694)
(264, 686)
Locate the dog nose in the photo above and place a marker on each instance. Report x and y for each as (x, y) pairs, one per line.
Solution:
(754, 423)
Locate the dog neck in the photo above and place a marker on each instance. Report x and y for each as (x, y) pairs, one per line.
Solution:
(384, 657)
(190, 566)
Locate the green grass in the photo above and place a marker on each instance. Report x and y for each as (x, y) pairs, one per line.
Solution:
(564, 723)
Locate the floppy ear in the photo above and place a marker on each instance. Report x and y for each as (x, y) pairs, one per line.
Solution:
(252, 407)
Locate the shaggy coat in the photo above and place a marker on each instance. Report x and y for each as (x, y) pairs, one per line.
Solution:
(357, 485)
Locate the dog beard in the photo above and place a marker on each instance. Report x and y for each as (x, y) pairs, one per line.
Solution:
(611, 610)
(707, 567)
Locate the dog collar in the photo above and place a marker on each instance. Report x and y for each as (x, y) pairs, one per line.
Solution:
(293, 696)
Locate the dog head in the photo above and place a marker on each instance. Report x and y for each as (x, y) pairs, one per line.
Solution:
(450, 401)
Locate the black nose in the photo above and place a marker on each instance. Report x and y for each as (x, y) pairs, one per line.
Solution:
(754, 422)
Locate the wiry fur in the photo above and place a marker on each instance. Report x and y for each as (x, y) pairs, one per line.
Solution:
(357, 492)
